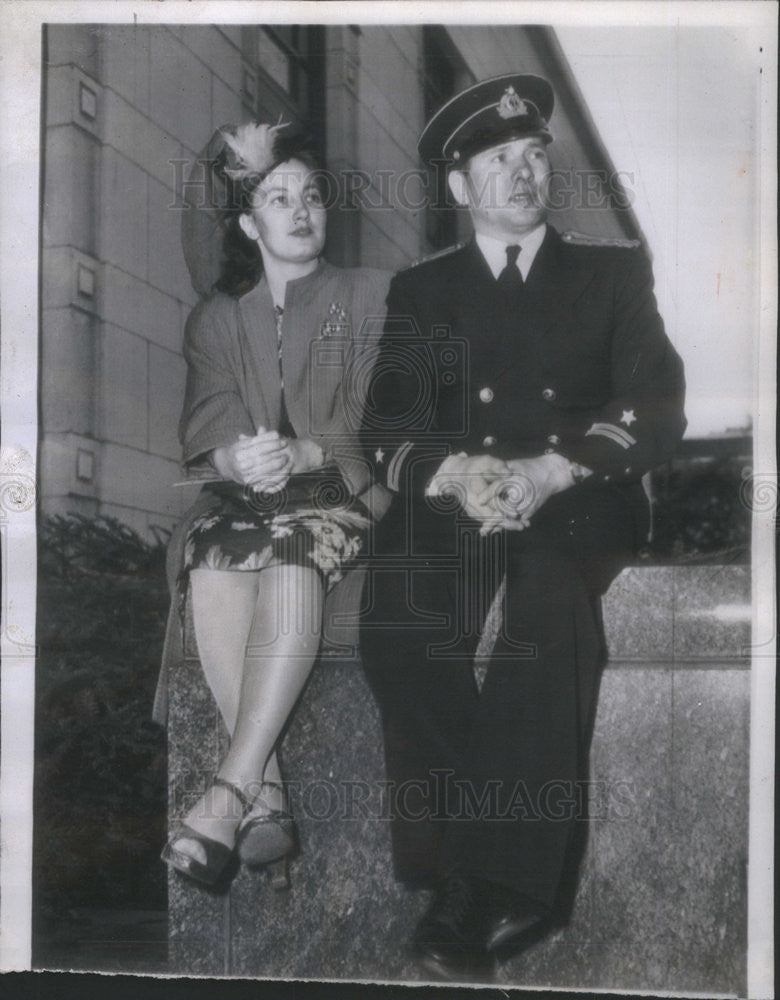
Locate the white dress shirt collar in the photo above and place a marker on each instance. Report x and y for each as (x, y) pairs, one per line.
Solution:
(494, 251)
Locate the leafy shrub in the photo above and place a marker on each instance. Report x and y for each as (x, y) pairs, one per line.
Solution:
(101, 773)
(699, 514)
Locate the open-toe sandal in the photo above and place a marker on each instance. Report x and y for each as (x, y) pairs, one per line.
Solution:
(218, 855)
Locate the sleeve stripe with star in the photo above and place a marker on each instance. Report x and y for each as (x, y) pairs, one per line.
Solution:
(613, 432)
(394, 468)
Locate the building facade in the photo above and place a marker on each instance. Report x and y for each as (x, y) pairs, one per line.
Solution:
(128, 108)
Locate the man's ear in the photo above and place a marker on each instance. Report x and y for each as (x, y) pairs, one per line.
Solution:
(248, 226)
(458, 183)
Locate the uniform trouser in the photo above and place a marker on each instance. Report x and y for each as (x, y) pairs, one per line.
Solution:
(493, 781)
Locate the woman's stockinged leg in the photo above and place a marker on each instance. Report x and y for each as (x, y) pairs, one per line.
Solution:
(224, 606)
(283, 644)
(256, 674)
(224, 603)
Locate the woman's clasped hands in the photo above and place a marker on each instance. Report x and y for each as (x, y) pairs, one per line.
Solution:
(266, 460)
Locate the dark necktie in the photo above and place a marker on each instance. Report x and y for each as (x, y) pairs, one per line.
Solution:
(510, 279)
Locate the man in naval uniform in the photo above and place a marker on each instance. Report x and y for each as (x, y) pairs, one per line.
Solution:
(524, 386)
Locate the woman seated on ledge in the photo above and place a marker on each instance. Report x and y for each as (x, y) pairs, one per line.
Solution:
(268, 423)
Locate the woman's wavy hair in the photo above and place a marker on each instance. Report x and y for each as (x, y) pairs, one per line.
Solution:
(242, 263)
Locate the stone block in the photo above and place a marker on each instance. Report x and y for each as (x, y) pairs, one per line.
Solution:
(367, 139)
(167, 372)
(407, 38)
(385, 63)
(180, 100)
(68, 371)
(233, 34)
(70, 208)
(667, 845)
(134, 479)
(226, 105)
(379, 149)
(710, 792)
(391, 237)
(73, 98)
(70, 278)
(59, 467)
(379, 58)
(214, 48)
(379, 249)
(59, 102)
(123, 222)
(78, 44)
(712, 612)
(137, 306)
(492, 51)
(167, 269)
(138, 139)
(400, 121)
(336, 56)
(631, 766)
(124, 61)
(124, 388)
(638, 613)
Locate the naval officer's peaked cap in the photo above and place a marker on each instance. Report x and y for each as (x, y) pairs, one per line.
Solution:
(506, 107)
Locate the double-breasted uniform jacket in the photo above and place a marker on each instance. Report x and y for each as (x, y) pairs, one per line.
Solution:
(575, 362)
(234, 387)
(586, 370)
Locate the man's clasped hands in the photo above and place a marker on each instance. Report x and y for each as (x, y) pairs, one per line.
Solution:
(499, 494)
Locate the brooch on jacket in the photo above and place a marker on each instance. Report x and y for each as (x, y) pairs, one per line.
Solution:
(337, 322)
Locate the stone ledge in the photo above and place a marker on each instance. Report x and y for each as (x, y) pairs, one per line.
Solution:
(679, 613)
(661, 903)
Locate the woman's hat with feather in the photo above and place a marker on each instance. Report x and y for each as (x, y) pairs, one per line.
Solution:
(233, 155)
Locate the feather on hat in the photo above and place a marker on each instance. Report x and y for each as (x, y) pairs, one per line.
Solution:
(252, 147)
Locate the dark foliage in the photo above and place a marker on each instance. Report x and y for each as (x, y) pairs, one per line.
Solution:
(700, 514)
(100, 779)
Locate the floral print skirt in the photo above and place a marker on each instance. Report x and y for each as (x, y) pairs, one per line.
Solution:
(313, 522)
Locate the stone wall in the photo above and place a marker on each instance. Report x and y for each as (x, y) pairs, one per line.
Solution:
(124, 104)
(661, 904)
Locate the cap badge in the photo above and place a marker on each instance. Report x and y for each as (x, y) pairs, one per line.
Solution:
(510, 105)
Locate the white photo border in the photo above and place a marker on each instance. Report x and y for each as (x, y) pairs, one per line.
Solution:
(20, 139)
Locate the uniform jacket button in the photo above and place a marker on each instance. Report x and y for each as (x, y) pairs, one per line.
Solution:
(554, 439)
(486, 395)
(488, 441)
(548, 394)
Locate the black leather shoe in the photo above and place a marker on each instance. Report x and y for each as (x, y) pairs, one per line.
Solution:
(511, 916)
(449, 942)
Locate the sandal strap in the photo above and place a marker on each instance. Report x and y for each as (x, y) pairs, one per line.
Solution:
(246, 804)
(273, 784)
(280, 787)
(271, 815)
